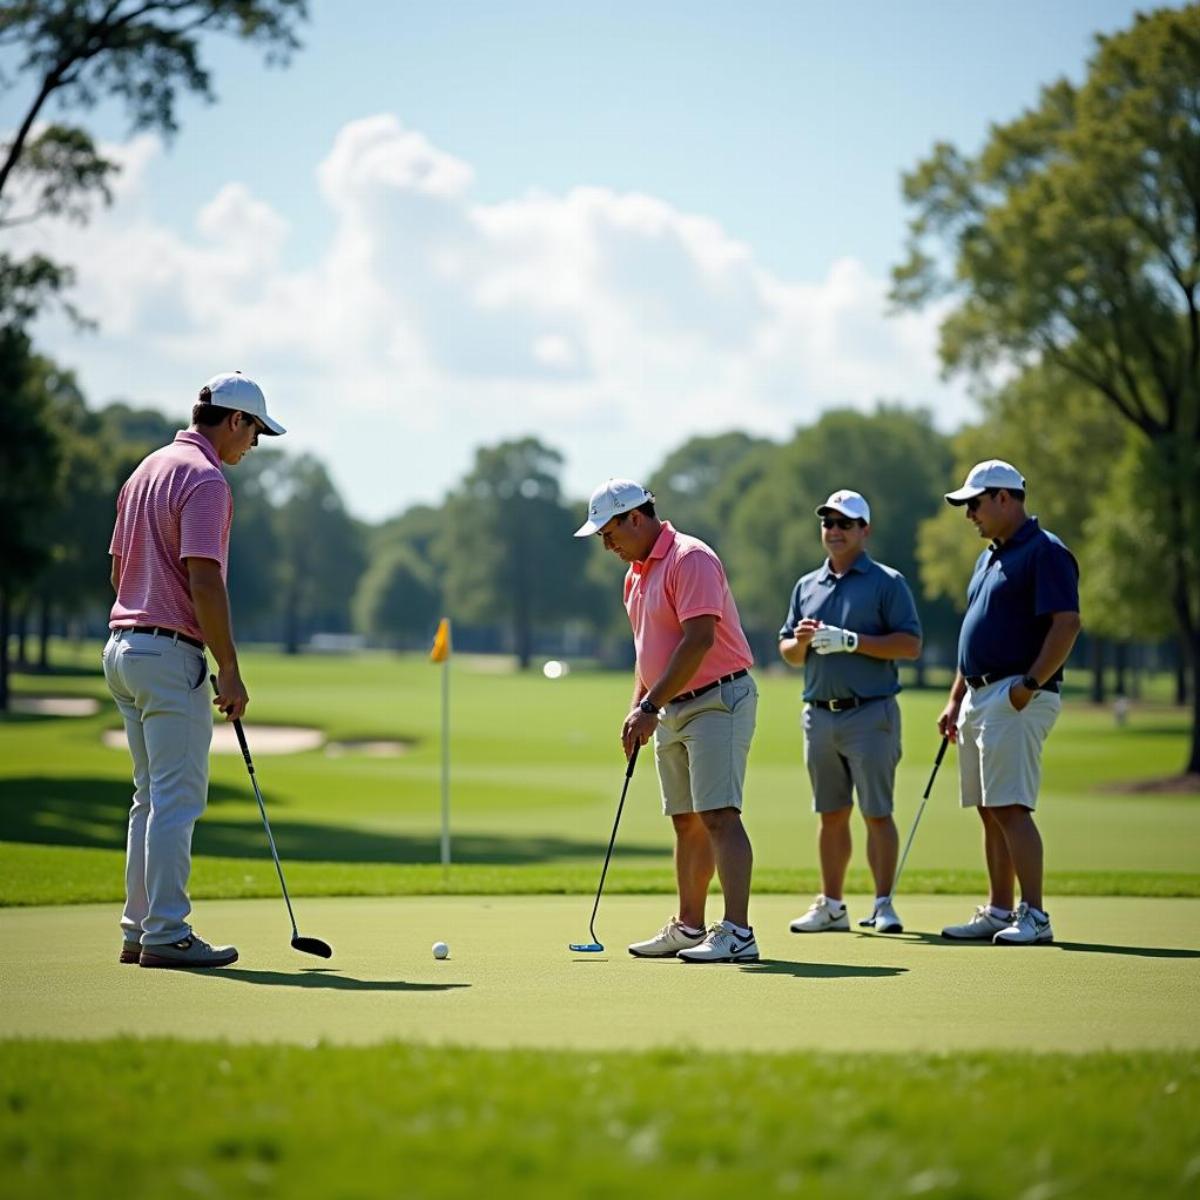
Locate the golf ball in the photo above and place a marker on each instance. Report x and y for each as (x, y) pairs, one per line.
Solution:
(441, 950)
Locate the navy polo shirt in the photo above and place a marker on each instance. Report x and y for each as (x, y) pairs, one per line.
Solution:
(868, 598)
(1013, 592)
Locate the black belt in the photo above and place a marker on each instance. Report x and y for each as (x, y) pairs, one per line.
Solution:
(161, 632)
(845, 705)
(708, 687)
(978, 681)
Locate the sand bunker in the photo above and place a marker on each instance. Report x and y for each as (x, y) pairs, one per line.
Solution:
(263, 739)
(55, 706)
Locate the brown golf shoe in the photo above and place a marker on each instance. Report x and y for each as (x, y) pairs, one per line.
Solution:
(131, 952)
(192, 952)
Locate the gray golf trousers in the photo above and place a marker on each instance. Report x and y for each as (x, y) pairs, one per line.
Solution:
(161, 689)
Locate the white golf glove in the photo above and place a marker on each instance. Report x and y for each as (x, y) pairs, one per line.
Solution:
(829, 639)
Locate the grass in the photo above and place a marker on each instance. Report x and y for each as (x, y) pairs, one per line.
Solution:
(536, 773)
(165, 1118)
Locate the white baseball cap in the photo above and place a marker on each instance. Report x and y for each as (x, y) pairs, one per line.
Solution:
(232, 389)
(849, 504)
(610, 499)
(992, 473)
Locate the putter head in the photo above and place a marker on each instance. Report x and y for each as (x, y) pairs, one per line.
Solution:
(314, 946)
(586, 948)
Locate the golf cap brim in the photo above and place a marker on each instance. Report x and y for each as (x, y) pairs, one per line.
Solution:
(964, 494)
(236, 391)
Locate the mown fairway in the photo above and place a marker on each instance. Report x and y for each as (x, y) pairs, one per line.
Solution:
(842, 1066)
(536, 775)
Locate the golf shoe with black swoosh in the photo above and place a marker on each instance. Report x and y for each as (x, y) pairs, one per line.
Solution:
(723, 943)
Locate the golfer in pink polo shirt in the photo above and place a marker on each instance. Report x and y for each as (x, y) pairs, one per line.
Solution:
(694, 694)
(170, 550)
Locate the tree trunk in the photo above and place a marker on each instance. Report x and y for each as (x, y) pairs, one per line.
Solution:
(1181, 675)
(44, 615)
(1122, 665)
(1193, 671)
(4, 618)
(1098, 691)
(919, 667)
(22, 629)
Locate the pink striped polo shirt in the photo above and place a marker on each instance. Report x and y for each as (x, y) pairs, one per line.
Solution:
(681, 578)
(176, 505)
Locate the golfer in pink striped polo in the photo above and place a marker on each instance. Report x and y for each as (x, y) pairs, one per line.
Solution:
(694, 694)
(170, 550)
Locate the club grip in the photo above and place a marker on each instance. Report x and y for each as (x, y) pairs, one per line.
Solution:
(937, 762)
(632, 760)
(237, 727)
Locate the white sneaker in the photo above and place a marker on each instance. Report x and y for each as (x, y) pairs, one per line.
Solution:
(982, 927)
(887, 920)
(723, 943)
(821, 918)
(1025, 929)
(667, 942)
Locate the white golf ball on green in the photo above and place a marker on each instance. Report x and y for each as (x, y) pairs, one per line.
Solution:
(441, 950)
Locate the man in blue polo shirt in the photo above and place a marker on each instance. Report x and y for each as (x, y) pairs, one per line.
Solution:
(847, 624)
(1021, 621)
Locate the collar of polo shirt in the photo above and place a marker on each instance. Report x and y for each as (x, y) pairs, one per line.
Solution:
(1023, 534)
(862, 564)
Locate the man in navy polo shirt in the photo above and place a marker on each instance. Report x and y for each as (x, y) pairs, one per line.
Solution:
(1021, 621)
(847, 624)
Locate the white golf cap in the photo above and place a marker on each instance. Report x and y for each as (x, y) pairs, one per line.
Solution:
(232, 389)
(610, 499)
(993, 473)
(849, 504)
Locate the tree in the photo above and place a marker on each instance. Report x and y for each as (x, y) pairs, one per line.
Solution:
(142, 53)
(397, 598)
(320, 550)
(1073, 239)
(30, 478)
(509, 553)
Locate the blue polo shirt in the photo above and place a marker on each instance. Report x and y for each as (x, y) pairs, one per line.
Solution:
(1013, 592)
(868, 598)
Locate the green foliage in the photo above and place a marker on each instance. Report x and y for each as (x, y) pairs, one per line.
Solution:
(396, 598)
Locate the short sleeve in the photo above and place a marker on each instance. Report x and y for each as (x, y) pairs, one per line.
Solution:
(203, 518)
(899, 608)
(1056, 580)
(699, 586)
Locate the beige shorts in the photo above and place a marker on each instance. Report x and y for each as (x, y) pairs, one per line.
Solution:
(1000, 749)
(701, 748)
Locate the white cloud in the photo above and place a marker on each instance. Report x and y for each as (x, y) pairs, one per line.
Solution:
(612, 325)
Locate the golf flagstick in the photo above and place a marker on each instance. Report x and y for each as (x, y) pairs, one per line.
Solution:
(937, 762)
(595, 947)
(306, 945)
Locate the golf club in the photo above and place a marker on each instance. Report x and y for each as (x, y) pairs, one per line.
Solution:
(595, 947)
(867, 922)
(306, 945)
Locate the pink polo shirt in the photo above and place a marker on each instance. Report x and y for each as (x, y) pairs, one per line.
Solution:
(682, 578)
(176, 505)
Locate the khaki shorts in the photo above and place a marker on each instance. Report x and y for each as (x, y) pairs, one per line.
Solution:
(853, 752)
(701, 748)
(1000, 749)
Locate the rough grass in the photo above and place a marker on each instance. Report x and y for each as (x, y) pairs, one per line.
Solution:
(159, 1118)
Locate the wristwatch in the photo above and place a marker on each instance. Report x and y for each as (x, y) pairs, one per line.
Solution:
(647, 706)
(1028, 681)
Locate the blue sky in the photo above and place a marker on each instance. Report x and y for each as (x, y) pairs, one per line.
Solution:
(612, 225)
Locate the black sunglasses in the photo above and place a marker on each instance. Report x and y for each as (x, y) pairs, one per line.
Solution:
(975, 501)
(839, 522)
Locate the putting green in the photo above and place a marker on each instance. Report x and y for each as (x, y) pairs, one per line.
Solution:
(1124, 975)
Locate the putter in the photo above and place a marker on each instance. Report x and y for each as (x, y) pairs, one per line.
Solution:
(306, 945)
(867, 922)
(595, 947)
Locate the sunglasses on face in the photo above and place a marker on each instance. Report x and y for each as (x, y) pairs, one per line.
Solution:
(975, 501)
(839, 523)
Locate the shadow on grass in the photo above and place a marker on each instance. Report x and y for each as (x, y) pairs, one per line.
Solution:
(933, 939)
(92, 813)
(325, 977)
(799, 970)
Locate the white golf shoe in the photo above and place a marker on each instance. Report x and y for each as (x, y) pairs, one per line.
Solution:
(886, 919)
(822, 917)
(982, 927)
(1027, 927)
(667, 942)
(723, 943)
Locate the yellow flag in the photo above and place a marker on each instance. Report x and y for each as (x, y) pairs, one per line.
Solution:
(441, 642)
